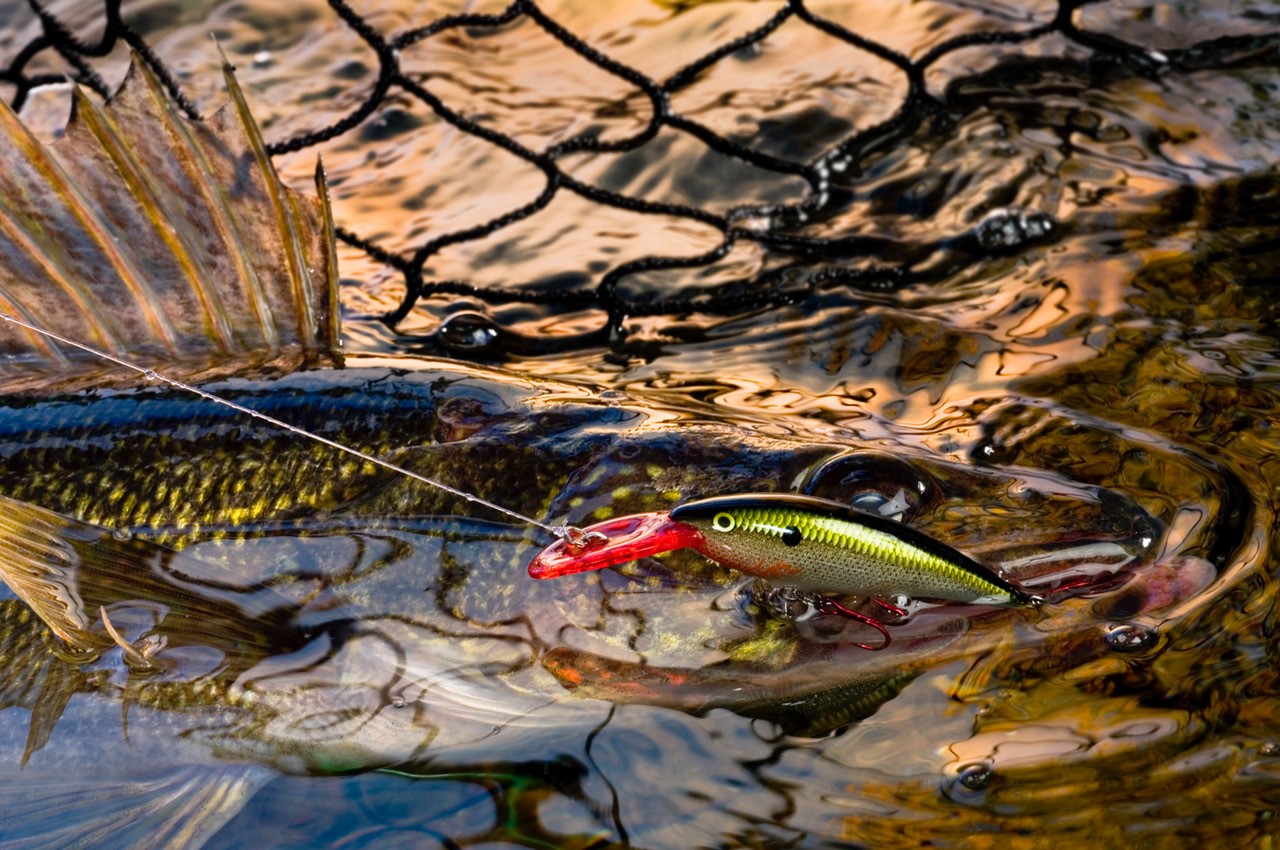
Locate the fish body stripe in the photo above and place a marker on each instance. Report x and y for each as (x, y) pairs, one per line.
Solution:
(826, 546)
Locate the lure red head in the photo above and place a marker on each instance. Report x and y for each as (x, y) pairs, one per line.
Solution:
(626, 539)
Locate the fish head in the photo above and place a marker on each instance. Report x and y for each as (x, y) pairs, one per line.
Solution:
(1013, 527)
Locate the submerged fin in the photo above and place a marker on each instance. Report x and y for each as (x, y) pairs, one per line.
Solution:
(40, 567)
(71, 573)
(169, 615)
(144, 233)
(178, 807)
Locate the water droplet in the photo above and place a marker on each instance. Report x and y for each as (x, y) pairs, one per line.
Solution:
(470, 332)
(121, 534)
(975, 777)
(1270, 748)
(262, 57)
(897, 506)
(150, 375)
(878, 503)
(1130, 637)
(398, 701)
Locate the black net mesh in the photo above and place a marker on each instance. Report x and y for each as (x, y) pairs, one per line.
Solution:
(1024, 49)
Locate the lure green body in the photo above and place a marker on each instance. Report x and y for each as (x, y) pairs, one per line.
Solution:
(825, 546)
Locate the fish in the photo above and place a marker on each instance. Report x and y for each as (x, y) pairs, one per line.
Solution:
(304, 612)
(808, 543)
(199, 602)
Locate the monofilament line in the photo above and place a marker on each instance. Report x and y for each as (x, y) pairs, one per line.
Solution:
(563, 532)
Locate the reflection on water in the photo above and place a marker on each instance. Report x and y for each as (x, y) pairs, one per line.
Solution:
(1096, 396)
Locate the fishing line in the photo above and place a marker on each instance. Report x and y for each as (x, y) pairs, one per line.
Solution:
(573, 536)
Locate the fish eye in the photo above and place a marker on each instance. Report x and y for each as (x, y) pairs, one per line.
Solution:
(723, 522)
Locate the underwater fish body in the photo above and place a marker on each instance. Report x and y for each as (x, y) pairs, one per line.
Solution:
(252, 514)
(310, 613)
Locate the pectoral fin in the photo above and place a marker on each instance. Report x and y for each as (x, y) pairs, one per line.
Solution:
(71, 573)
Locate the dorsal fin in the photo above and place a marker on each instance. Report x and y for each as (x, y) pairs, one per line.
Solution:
(149, 235)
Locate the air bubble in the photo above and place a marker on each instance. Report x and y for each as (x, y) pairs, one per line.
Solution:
(151, 375)
(1006, 230)
(1129, 637)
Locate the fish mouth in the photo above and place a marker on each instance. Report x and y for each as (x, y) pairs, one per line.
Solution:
(624, 539)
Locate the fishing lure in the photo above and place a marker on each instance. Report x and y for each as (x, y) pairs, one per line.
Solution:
(815, 545)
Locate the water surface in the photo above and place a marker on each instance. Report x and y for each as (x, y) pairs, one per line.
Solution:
(1090, 300)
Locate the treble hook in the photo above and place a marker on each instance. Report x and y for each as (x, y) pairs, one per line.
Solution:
(830, 606)
(141, 659)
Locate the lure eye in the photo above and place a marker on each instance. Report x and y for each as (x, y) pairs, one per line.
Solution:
(723, 522)
(792, 536)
